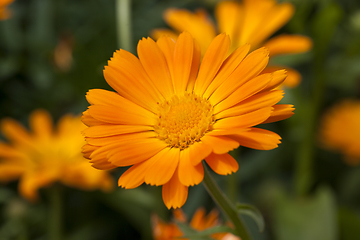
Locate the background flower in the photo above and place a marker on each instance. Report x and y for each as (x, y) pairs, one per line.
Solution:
(340, 130)
(45, 155)
(200, 221)
(246, 22)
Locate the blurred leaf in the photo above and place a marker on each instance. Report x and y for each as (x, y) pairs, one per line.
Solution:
(324, 25)
(349, 223)
(252, 212)
(193, 234)
(311, 218)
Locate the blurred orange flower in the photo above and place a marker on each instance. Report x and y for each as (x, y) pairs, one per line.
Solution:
(169, 112)
(200, 222)
(247, 22)
(340, 130)
(46, 155)
(4, 11)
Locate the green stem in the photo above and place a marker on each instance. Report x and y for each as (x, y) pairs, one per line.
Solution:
(233, 187)
(55, 213)
(123, 19)
(225, 204)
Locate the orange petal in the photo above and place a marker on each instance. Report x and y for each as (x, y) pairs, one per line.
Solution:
(197, 221)
(281, 112)
(155, 65)
(211, 63)
(163, 167)
(220, 144)
(41, 123)
(10, 171)
(14, 131)
(127, 76)
(167, 47)
(174, 193)
(226, 69)
(111, 130)
(120, 139)
(128, 114)
(244, 121)
(189, 175)
(228, 15)
(134, 176)
(249, 68)
(159, 32)
(246, 90)
(135, 151)
(222, 164)
(258, 138)
(278, 76)
(198, 25)
(253, 103)
(287, 44)
(183, 56)
(198, 152)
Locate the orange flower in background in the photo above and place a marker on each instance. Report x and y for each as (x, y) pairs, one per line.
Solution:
(340, 130)
(46, 155)
(200, 221)
(4, 11)
(169, 112)
(247, 22)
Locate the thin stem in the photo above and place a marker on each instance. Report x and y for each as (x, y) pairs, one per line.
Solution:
(55, 213)
(123, 20)
(225, 204)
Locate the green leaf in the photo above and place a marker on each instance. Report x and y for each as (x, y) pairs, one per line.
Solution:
(193, 234)
(252, 212)
(310, 218)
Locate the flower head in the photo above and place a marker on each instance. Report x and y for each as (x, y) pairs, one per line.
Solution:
(340, 130)
(4, 12)
(169, 112)
(249, 22)
(46, 155)
(200, 221)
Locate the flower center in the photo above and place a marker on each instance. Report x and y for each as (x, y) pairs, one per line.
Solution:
(183, 120)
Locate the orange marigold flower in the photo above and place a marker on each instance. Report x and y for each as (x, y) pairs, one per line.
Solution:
(44, 155)
(169, 112)
(340, 130)
(170, 231)
(4, 11)
(247, 22)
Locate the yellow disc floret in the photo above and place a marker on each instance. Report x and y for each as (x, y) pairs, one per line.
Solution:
(183, 120)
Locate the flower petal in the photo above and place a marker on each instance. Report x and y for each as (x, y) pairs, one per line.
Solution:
(174, 193)
(222, 164)
(155, 65)
(211, 63)
(246, 90)
(189, 174)
(258, 101)
(135, 151)
(197, 24)
(163, 167)
(220, 144)
(249, 68)
(183, 56)
(128, 114)
(227, 68)
(244, 121)
(135, 175)
(127, 76)
(41, 123)
(281, 112)
(198, 152)
(111, 130)
(285, 44)
(258, 138)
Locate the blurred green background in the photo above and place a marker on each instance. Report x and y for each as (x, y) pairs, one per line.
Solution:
(320, 200)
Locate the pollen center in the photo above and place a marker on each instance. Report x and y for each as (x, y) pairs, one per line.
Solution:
(183, 120)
